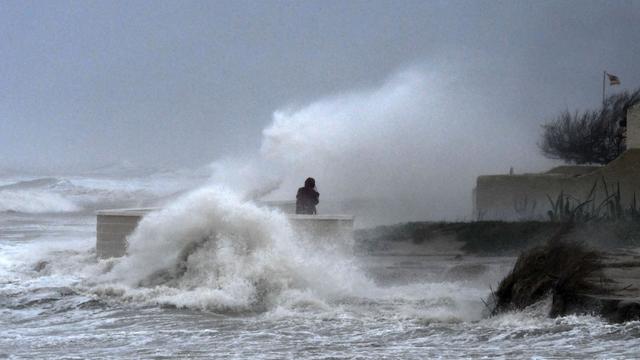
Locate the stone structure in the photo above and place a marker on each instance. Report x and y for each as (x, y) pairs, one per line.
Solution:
(517, 197)
(324, 227)
(114, 226)
(286, 206)
(112, 229)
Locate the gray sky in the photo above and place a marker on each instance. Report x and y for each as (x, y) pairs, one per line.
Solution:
(181, 84)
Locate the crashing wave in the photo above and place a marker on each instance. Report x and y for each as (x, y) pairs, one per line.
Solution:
(211, 250)
(58, 195)
(50, 183)
(35, 201)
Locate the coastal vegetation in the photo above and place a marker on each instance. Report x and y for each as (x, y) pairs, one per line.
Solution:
(567, 208)
(589, 137)
(575, 277)
(498, 237)
(558, 269)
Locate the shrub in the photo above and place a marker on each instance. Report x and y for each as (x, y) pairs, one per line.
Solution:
(590, 137)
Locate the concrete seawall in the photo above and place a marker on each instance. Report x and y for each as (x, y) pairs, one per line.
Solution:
(112, 229)
(525, 196)
(115, 225)
(513, 197)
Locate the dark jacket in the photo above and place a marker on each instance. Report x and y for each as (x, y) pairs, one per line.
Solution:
(306, 200)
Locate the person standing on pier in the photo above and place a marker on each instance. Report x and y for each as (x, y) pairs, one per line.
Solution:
(307, 198)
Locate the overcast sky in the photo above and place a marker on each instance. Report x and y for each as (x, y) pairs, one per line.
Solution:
(183, 83)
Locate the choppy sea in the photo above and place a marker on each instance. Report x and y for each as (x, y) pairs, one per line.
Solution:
(251, 288)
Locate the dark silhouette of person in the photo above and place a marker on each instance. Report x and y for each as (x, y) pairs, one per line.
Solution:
(307, 197)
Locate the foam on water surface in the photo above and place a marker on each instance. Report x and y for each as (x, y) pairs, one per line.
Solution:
(212, 250)
(214, 275)
(72, 194)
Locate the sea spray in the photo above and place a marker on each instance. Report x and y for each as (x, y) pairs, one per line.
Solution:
(404, 150)
(212, 250)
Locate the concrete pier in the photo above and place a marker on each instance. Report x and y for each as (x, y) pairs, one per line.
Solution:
(112, 228)
(338, 227)
(115, 225)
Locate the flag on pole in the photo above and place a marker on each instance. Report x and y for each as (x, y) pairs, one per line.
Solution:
(613, 80)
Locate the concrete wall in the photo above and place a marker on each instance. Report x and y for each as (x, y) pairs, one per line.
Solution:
(513, 197)
(114, 226)
(112, 229)
(517, 197)
(286, 206)
(334, 229)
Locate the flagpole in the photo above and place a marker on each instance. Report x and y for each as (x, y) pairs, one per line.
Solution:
(604, 75)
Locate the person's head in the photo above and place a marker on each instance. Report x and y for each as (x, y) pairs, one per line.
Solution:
(310, 183)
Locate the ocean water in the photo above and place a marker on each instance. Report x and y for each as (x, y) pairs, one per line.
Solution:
(214, 276)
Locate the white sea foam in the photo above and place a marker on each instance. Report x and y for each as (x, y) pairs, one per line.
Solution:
(289, 290)
(212, 250)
